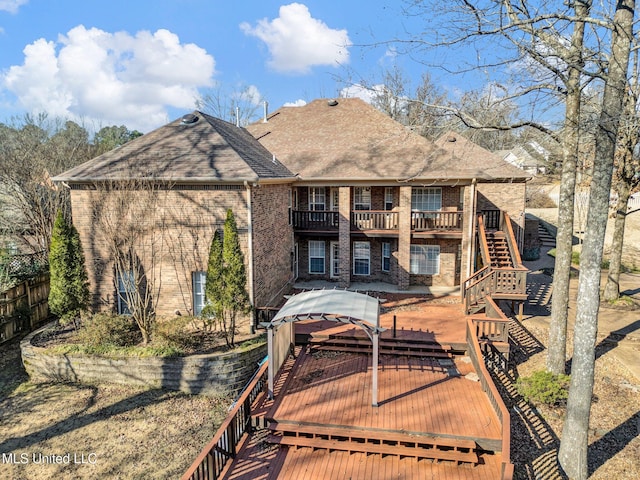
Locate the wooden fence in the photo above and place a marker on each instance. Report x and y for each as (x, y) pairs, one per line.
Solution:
(24, 307)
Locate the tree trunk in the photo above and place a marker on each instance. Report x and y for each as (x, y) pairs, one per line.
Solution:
(574, 443)
(556, 355)
(612, 287)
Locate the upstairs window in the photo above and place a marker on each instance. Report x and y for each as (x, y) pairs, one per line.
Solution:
(362, 198)
(317, 199)
(426, 199)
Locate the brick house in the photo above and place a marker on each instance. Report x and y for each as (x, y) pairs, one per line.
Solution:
(375, 202)
(334, 190)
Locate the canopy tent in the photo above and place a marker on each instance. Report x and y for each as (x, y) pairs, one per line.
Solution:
(333, 305)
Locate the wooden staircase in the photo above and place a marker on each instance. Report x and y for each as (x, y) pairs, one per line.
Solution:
(378, 442)
(499, 249)
(387, 346)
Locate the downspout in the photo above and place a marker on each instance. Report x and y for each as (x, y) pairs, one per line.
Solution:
(250, 253)
(472, 227)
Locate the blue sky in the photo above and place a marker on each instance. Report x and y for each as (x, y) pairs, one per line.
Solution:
(143, 63)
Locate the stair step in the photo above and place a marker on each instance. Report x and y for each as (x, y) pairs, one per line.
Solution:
(383, 351)
(376, 442)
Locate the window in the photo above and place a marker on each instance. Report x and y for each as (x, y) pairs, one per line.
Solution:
(335, 198)
(317, 198)
(388, 198)
(386, 256)
(316, 256)
(426, 199)
(335, 259)
(425, 259)
(126, 287)
(199, 284)
(361, 258)
(362, 198)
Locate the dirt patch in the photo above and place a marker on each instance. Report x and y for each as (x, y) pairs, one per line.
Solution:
(118, 432)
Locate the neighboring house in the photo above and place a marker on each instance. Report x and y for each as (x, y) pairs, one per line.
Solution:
(533, 158)
(334, 190)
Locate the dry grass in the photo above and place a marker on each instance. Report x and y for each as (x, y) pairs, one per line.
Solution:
(126, 432)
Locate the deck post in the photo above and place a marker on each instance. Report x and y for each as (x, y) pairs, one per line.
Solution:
(270, 357)
(374, 383)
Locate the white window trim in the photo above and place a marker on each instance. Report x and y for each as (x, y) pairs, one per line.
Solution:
(388, 198)
(198, 279)
(424, 249)
(388, 244)
(368, 258)
(315, 193)
(335, 260)
(324, 256)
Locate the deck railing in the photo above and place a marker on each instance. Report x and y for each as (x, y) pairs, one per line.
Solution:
(475, 353)
(436, 220)
(374, 220)
(315, 220)
(222, 448)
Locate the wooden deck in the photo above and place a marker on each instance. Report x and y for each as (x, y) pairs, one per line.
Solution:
(331, 391)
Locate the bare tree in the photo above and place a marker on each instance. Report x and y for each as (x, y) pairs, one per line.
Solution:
(574, 444)
(239, 106)
(32, 150)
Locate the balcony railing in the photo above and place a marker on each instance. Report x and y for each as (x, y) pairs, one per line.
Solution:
(437, 220)
(315, 220)
(374, 220)
(421, 221)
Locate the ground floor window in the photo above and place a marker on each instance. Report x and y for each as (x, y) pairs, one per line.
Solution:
(316, 256)
(361, 258)
(386, 256)
(425, 259)
(126, 288)
(199, 284)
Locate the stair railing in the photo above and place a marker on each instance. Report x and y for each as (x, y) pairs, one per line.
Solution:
(482, 241)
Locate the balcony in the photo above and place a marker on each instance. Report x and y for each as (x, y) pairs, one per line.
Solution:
(436, 220)
(378, 220)
(317, 220)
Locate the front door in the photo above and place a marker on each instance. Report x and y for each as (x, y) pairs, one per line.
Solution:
(335, 260)
(295, 260)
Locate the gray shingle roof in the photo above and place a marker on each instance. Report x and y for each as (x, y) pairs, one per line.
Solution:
(208, 150)
(353, 140)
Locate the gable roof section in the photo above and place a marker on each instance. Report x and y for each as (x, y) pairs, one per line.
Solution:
(207, 150)
(351, 140)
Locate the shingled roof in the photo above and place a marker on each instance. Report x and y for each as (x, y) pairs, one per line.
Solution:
(348, 139)
(195, 148)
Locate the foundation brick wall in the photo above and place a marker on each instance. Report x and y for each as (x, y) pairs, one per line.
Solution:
(509, 197)
(272, 243)
(178, 227)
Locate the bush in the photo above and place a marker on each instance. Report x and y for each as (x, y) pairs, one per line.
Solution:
(103, 330)
(544, 387)
(175, 333)
(538, 198)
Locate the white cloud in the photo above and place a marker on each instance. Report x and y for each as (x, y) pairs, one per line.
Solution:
(110, 78)
(297, 41)
(251, 95)
(297, 103)
(11, 6)
(368, 94)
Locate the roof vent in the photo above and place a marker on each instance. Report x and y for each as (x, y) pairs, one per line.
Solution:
(189, 119)
(451, 138)
(333, 102)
